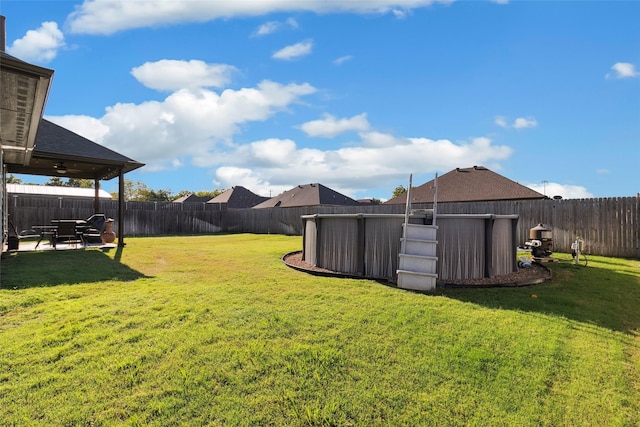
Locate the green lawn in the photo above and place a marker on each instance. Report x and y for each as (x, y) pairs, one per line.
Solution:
(215, 330)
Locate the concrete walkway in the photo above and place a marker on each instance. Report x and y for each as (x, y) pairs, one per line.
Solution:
(45, 245)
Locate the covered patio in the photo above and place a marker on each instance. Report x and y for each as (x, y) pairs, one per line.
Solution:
(32, 145)
(60, 152)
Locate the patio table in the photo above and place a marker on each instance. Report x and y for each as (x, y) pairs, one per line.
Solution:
(46, 230)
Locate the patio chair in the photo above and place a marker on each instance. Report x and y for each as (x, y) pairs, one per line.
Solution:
(68, 231)
(93, 230)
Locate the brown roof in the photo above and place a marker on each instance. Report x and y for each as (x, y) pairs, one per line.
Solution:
(308, 195)
(238, 197)
(469, 184)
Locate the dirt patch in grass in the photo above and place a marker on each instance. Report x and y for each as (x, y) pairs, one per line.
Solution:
(535, 274)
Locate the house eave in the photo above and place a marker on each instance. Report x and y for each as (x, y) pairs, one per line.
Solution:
(24, 89)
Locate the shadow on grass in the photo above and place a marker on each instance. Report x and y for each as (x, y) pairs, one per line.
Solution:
(21, 270)
(606, 294)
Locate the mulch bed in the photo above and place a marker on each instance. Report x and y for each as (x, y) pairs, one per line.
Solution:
(535, 274)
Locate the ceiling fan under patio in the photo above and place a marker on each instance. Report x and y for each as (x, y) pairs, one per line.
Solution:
(62, 169)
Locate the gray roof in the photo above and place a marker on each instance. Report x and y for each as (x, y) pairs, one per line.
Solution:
(308, 195)
(191, 198)
(469, 184)
(238, 197)
(56, 146)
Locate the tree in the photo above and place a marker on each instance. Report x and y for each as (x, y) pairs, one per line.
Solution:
(149, 195)
(139, 192)
(209, 194)
(11, 179)
(55, 181)
(399, 190)
(80, 183)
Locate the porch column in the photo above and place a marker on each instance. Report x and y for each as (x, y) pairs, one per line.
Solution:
(121, 243)
(96, 199)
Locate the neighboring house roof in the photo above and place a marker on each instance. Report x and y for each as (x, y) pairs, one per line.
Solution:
(54, 191)
(192, 198)
(369, 201)
(238, 197)
(59, 150)
(308, 195)
(469, 184)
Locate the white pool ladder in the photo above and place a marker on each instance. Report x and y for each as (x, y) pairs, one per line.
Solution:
(417, 263)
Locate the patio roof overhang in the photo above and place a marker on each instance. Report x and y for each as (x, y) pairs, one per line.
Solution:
(23, 93)
(60, 152)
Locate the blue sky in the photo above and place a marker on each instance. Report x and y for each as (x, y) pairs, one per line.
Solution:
(355, 95)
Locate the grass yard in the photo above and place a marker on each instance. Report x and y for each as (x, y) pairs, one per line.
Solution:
(215, 330)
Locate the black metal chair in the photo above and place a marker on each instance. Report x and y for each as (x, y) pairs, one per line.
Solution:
(68, 232)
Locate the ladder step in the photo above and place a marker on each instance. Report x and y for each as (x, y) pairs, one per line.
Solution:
(418, 263)
(419, 247)
(420, 232)
(416, 281)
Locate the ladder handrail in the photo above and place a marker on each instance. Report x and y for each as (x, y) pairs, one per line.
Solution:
(406, 216)
(435, 199)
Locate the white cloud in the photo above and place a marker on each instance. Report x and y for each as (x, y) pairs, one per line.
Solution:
(39, 45)
(342, 59)
(602, 171)
(294, 51)
(501, 121)
(277, 163)
(229, 176)
(274, 26)
(330, 126)
(109, 16)
(623, 70)
(552, 189)
(399, 13)
(273, 151)
(267, 28)
(523, 123)
(173, 75)
(89, 127)
(196, 127)
(187, 123)
(518, 123)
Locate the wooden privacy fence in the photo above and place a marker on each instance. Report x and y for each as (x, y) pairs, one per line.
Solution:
(608, 226)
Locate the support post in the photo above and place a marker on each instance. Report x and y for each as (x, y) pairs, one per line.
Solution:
(488, 247)
(360, 254)
(514, 243)
(121, 243)
(96, 197)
